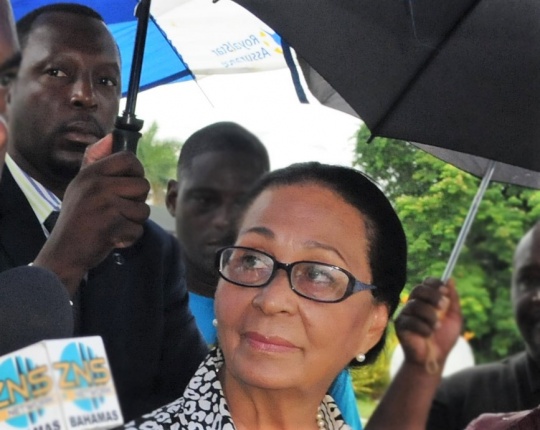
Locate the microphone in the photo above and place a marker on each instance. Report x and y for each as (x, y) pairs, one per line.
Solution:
(63, 384)
(60, 384)
(34, 306)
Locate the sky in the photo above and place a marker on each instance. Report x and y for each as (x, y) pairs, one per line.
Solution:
(242, 77)
(263, 102)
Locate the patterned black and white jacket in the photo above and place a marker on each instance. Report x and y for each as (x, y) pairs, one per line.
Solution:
(203, 405)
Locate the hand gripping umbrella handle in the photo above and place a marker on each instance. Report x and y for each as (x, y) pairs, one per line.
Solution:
(127, 129)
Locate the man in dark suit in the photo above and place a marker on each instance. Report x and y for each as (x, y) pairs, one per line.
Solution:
(122, 271)
(10, 57)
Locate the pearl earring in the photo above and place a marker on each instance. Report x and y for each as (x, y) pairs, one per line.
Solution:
(214, 322)
(361, 358)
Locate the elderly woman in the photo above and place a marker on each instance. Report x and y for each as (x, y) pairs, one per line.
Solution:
(307, 289)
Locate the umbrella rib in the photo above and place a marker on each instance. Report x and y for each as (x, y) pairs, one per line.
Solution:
(411, 82)
(413, 23)
(294, 72)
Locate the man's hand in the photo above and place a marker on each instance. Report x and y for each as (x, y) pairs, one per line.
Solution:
(432, 314)
(99, 150)
(103, 208)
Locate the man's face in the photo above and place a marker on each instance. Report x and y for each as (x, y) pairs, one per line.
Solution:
(207, 200)
(526, 290)
(66, 96)
(9, 62)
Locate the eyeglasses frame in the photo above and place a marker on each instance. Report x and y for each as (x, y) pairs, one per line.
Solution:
(353, 286)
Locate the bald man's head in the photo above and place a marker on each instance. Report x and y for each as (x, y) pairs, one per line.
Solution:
(526, 290)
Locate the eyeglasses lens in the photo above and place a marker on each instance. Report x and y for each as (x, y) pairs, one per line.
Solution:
(246, 267)
(251, 268)
(319, 281)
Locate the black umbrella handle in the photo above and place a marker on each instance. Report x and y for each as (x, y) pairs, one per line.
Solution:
(127, 129)
(126, 133)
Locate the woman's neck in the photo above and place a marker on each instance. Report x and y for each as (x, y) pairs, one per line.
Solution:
(259, 408)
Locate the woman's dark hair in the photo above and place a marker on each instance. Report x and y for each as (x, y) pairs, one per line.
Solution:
(387, 244)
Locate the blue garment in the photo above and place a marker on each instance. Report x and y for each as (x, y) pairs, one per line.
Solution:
(341, 389)
(343, 393)
(202, 309)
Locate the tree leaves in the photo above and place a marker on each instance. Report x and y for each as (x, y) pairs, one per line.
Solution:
(159, 158)
(432, 199)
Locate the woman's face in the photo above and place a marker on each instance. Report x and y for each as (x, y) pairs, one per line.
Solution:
(270, 336)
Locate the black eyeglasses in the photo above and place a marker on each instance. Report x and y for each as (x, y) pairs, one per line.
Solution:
(321, 282)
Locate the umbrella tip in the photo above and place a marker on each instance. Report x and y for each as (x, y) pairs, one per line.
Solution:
(370, 139)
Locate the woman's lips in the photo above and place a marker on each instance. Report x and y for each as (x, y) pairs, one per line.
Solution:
(269, 343)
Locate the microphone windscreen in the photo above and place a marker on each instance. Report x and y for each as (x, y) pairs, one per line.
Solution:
(34, 306)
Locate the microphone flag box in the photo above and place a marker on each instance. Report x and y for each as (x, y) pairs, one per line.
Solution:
(58, 385)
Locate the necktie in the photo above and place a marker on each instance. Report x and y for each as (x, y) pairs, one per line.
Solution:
(50, 222)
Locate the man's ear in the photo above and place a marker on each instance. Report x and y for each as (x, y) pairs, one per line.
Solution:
(170, 198)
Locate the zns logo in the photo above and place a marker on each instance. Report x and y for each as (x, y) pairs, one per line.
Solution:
(21, 380)
(81, 374)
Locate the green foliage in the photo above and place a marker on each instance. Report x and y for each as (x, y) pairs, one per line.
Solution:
(159, 158)
(366, 406)
(432, 199)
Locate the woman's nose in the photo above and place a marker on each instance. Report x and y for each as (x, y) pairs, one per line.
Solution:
(276, 297)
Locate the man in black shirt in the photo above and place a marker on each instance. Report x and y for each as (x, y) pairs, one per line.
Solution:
(513, 383)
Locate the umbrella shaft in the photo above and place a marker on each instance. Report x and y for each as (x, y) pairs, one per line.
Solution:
(143, 15)
(465, 228)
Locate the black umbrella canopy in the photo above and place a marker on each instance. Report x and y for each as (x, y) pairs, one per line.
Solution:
(475, 165)
(457, 74)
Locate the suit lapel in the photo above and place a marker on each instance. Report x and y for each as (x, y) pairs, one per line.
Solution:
(21, 235)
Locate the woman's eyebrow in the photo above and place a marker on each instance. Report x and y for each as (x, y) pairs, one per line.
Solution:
(317, 244)
(264, 231)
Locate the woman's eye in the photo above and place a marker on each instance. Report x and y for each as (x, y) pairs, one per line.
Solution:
(319, 275)
(252, 262)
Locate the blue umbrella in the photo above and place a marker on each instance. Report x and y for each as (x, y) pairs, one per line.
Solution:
(161, 63)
